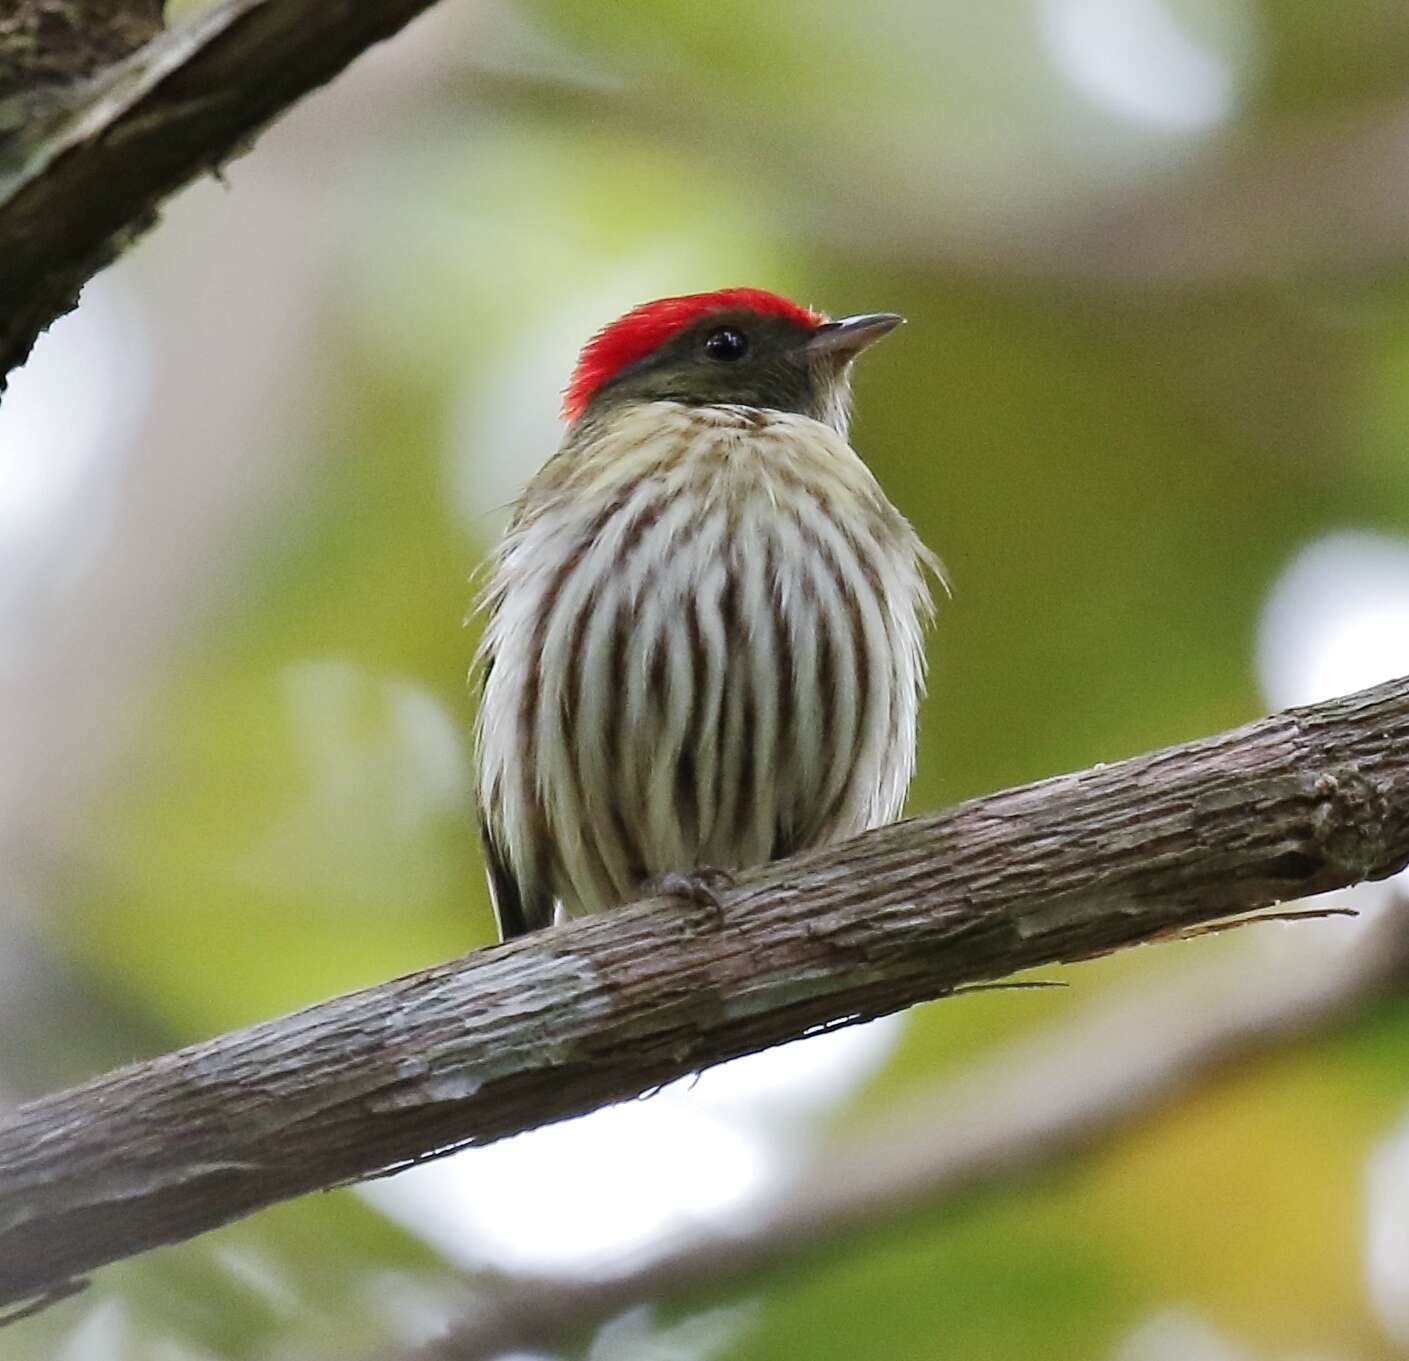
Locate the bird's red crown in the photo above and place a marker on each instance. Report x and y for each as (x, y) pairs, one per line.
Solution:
(642, 329)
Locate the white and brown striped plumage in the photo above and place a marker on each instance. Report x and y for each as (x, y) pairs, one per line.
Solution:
(703, 648)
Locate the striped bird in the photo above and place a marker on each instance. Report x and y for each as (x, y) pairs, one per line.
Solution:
(703, 641)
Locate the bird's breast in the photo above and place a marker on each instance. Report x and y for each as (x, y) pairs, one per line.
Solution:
(704, 630)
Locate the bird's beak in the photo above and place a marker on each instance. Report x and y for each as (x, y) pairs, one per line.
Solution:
(848, 337)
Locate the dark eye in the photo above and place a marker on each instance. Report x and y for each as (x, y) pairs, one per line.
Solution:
(726, 345)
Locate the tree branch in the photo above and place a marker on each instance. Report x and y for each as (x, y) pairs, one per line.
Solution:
(1030, 1105)
(79, 184)
(602, 1009)
(84, 175)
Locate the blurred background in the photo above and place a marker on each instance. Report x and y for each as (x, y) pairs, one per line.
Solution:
(1152, 410)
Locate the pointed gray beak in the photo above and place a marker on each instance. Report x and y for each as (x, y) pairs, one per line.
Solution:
(849, 336)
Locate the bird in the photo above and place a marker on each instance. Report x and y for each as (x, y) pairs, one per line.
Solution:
(703, 642)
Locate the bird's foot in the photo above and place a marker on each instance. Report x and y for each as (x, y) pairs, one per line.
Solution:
(700, 887)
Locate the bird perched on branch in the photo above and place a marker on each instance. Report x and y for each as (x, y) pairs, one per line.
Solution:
(703, 646)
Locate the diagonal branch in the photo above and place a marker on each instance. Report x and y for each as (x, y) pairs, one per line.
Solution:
(1035, 1103)
(567, 1020)
(89, 166)
(84, 180)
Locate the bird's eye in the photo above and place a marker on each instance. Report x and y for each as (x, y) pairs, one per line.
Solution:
(726, 345)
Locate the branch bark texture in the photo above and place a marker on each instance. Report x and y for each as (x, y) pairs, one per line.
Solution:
(81, 182)
(46, 43)
(599, 1010)
(1037, 1102)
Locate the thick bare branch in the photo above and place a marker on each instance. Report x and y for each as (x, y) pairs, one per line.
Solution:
(1031, 1105)
(80, 183)
(562, 1022)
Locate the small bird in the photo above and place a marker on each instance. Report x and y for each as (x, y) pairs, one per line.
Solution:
(704, 628)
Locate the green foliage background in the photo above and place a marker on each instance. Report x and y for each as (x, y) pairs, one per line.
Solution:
(1114, 459)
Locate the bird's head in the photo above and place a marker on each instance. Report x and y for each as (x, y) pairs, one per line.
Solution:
(736, 346)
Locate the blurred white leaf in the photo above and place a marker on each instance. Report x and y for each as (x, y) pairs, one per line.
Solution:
(1137, 59)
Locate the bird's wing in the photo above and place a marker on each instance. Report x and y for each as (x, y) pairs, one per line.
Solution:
(516, 911)
(520, 894)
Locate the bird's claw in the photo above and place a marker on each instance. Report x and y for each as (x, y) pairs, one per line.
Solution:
(701, 886)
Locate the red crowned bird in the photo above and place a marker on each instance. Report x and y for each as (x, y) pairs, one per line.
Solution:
(703, 645)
